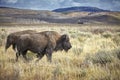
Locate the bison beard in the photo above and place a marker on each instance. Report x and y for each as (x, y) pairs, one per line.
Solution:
(13, 37)
(43, 43)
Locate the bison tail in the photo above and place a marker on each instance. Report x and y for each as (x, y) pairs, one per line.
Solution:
(8, 44)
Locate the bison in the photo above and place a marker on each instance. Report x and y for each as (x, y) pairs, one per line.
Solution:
(13, 37)
(43, 43)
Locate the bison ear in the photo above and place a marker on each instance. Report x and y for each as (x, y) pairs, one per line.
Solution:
(64, 37)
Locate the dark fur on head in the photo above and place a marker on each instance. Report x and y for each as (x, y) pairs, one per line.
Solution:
(65, 42)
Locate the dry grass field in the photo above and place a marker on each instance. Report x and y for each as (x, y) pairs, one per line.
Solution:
(95, 55)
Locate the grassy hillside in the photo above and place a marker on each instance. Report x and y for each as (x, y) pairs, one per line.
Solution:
(95, 55)
(24, 16)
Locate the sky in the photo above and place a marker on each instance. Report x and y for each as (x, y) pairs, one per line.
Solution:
(113, 5)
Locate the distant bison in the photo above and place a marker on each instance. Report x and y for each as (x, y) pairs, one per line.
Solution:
(13, 37)
(43, 43)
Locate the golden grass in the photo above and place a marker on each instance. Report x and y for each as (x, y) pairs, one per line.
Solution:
(85, 61)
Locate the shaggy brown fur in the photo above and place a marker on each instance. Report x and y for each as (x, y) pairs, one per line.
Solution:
(42, 43)
(13, 37)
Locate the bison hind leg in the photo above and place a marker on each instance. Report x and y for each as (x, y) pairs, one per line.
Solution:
(17, 55)
(24, 55)
(14, 46)
(39, 56)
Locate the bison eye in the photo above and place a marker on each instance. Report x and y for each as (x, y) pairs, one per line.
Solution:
(67, 40)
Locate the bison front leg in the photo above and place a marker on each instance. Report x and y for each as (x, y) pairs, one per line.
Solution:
(49, 54)
(49, 50)
(49, 57)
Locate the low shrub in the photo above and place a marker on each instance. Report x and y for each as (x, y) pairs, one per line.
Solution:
(9, 74)
(101, 57)
(2, 36)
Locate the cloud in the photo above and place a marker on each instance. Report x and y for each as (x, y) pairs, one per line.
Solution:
(53, 4)
(8, 1)
(104, 4)
(11, 1)
(86, 1)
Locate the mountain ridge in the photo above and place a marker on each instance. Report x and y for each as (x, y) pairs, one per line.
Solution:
(79, 9)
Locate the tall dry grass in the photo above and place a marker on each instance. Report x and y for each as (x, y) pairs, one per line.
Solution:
(95, 55)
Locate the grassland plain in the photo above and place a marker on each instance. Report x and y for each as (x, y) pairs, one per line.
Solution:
(95, 55)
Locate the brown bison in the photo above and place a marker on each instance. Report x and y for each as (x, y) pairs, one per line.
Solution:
(13, 37)
(43, 43)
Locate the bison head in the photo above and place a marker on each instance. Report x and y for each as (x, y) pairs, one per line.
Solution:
(66, 45)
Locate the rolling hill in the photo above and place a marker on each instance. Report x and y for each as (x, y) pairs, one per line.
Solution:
(25, 16)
